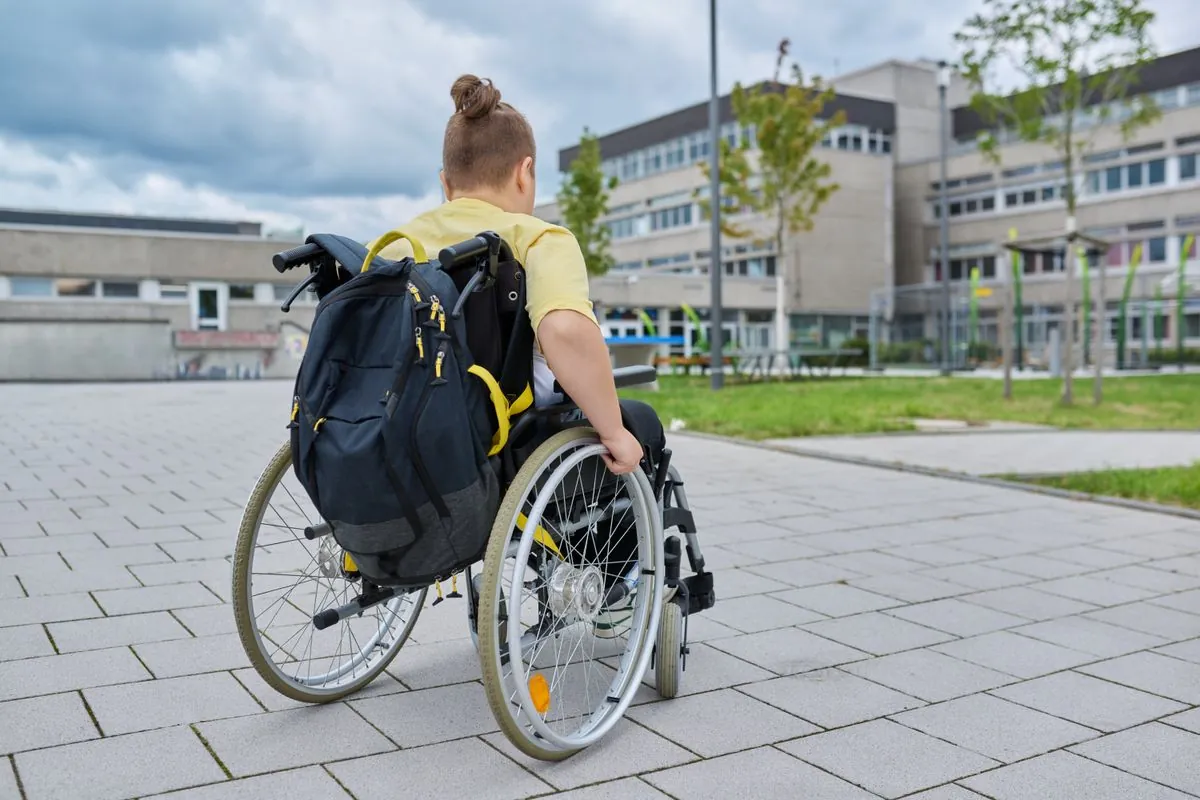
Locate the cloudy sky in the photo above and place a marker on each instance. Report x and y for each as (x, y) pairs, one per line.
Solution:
(329, 114)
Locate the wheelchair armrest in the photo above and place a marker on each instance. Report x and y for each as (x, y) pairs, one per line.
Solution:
(625, 376)
(634, 376)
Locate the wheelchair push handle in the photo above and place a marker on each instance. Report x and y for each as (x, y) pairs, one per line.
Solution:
(474, 249)
(295, 257)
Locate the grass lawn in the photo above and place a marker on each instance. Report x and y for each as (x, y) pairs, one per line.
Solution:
(1179, 486)
(763, 410)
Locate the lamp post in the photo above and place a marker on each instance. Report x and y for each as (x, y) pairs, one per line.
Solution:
(715, 262)
(943, 81)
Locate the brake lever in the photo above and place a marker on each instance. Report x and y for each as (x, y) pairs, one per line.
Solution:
(304, 284)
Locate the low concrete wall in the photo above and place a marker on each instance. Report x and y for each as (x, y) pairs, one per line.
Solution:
(83, 350)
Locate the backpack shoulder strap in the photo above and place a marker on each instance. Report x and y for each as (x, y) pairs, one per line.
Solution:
(388, 238)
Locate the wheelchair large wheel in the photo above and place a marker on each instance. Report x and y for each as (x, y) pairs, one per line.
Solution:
(286, 569)
(569, 598)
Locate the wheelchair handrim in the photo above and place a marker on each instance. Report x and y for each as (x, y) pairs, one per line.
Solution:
(606, 716)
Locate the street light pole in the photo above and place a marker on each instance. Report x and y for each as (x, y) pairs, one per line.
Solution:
(715, 263)
(943, 80)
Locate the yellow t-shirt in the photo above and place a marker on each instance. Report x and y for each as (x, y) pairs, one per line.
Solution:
(556, 276)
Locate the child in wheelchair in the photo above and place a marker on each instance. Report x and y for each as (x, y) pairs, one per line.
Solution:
(489, 180)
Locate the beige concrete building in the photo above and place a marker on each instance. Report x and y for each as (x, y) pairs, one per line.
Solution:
(875, 244)
(98, 297)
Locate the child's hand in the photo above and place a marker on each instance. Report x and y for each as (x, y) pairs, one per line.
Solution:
(624, 452)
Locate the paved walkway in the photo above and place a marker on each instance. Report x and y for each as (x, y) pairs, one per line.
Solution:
(1008, 452)
(878, 634)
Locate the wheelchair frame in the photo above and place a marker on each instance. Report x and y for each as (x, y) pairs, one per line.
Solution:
(660, 486)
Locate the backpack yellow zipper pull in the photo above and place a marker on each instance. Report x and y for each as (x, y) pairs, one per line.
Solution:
(437, 367)
(412, 289)
(420, 346)
(442, 321)
(436, 304)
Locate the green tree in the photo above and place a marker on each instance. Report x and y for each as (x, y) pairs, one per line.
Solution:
(1079, 62)
(583, 201)
(776, 174)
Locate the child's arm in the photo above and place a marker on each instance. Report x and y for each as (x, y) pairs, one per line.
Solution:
(572, 342)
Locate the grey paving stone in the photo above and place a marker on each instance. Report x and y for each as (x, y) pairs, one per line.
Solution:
(787, 651)
(1188, 651)
(1152, 619)
(10, 588)
(977, 576)
(214, 572)
(1146, 576)
(310, 783)
(932, 555)
(294, 738)
(949, 792)
(763, 774)
(1089, 701)
(272, 700)
(1096, 591)
(802, 572)
(8, 781)
(929, 675)
(911, 587)
(115, 558)
(48, 721)
(836, 599)
(155, 598)
(990, 544)
(766, 550)
(31, 677)
(79, 581)
(626, 788)
(1015, 655)
(424, 666)
(957, 617)
(1153, 751)
(430, 716)
(744, 722)
(174, 701)
(1039, 566)
(1090, 636)
(193, 656)
(1151, 672)
(873, 563)
(118, 767)
(878, 633)
(1188, 720)
(193, 549)
(463, 768)
(887, 758)
(27, 641)
(1091, 556)
(831, 698)
(628, 749)
(994, 727)
(1183, 601)
(1028, 603)
(32, 566)
(759, 612)
(51, 544)
(709, 669)
(739, 583)
(1188, 565)
(206, 620)
(97, 634)
(1064, 775)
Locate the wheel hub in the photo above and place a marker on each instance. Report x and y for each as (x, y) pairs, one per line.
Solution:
(575, 591)
(327, 561)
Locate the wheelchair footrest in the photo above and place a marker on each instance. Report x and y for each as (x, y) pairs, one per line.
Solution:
(700, 593)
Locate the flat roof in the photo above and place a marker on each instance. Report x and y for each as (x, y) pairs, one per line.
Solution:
(877, 114)
(1164, 72)
(122, 222)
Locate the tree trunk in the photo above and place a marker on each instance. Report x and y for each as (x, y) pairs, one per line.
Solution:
(782, 328)
(1068, 334)
(1007, 325)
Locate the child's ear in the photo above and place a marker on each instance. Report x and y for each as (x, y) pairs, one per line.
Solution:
(445, 186)
(525, 177)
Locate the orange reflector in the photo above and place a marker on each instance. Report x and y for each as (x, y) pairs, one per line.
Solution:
(539, 692)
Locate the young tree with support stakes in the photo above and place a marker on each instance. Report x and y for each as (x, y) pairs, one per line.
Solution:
(790, 184)
(1079, 60)
(583, 201)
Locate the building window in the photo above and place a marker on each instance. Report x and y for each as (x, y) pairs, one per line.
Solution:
(1133, 175)
(1112, 179)
(1156, 249)
(241, 291)
(31, 287)
(119, 289)
(172, 291)
(1187, 167)
(1157, 172)
(75, 287)
(1193, 94)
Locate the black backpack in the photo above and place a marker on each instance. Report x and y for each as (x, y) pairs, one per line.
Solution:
(393, 421)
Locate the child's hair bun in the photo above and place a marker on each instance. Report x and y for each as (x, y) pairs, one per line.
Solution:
(473, 97)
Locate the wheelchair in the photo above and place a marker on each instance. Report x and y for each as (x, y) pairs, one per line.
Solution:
(579, 592)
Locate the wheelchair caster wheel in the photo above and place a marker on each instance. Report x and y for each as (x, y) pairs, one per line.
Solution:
(669, 650)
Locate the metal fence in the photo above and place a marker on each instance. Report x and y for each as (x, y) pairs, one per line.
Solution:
(905, 328)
